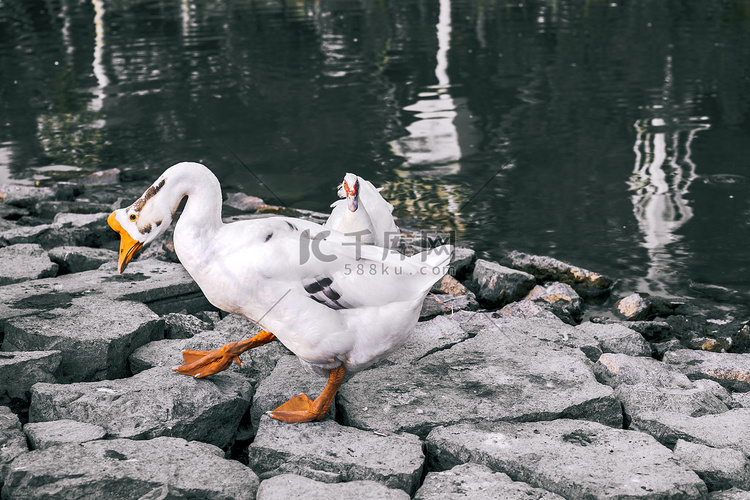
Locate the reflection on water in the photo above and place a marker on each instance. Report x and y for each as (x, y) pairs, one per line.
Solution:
(428, 98)
(661, 180)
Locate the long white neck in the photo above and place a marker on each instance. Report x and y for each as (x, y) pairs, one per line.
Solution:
(201, 217)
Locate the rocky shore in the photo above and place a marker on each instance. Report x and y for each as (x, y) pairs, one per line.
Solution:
(510, 387)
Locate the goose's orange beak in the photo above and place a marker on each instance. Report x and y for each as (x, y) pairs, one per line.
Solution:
(128, 246)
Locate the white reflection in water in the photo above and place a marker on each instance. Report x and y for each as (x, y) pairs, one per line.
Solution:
(433, 138)
(102, 80)
(660, 181)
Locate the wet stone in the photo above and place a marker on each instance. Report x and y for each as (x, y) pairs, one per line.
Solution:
(561, 299)
(496, 285)
(157, 402)
(634, 307)
(478, 482)
(286, 486)
(462, 262)
(78, 259)
(21, 370)
(719, 468)
(26, 196)
(164, 467)
(94, 335)
(42, 435)
(506, 372)
(573, 458)
(23, 262)
(732, 370)
(328, 452)
(586, 283)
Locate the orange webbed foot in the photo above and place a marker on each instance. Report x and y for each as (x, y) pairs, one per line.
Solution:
(201, 364)
(298, 409)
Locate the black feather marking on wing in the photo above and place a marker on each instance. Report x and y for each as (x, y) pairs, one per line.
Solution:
(320, 291)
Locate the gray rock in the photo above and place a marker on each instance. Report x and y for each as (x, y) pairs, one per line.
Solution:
(94, 335)
(288, 378)
(437, 304)
(561, 299)
(496, 285)
(163, 286)
(244, 202)
(729, 369)
(291, 486)
(634, 307)
(42, 435)
(89, 230)
(157, 402)
(585, 283)
(461, 262)
(732, 494)
(102, 177)
(720, 468)
(741, 399)
(183, 326)
(573, 458)
(649, 408)
(20, 370)
(505, 372)
(477, 482)
(331, 453)
(77, 259)
(12, 440)
(26, 196)
(526, 309)
(449, 285)
(617, 339)
(617, 369)
(716, 430)
(653, 331)
(25, 262)
(124, 469)
(428, 337)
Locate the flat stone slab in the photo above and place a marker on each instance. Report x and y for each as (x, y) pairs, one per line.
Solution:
(95, 336)
(25, 262)
(20, 370)
(122, 468)
(161, 285)
(732, 370)
(573, 458)
(42, 435)
(12, 439)
(328, 452)
(478, 482)
(719, 468)
(617, 369)
(585, 282)
(723, 430)
(507, 372)
(428, 337)
(183, 326)
(288, 486)
(446, 303)
(75, 259)
(157, 402)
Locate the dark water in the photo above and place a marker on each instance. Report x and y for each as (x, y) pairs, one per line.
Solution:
(614, 135)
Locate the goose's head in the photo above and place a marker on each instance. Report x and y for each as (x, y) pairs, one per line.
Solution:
(142, 222)
(351, 189)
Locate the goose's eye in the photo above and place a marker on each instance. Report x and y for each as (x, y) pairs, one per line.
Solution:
(133, 217)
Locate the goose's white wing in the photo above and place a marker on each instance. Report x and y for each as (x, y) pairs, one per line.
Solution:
(387, 234)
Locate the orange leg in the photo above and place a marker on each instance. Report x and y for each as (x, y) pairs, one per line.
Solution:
(303, 409)
(201, 364)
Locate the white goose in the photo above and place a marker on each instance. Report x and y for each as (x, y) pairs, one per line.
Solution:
(338, 306)
(365, 213)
